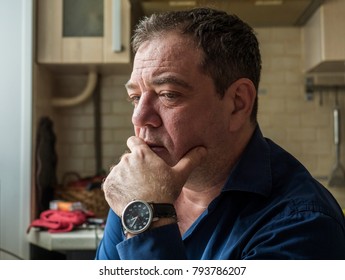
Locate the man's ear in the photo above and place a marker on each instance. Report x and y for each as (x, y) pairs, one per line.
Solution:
(242, 93)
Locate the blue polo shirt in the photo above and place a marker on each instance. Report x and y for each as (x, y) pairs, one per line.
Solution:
(269, 208)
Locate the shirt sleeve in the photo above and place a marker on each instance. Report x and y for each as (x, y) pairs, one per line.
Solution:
(162, 243)
(298, 237)
(111, 237)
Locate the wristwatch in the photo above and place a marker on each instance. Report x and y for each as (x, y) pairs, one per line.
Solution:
(138, 215)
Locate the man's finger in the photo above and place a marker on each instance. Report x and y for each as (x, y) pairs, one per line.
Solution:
(134, 141)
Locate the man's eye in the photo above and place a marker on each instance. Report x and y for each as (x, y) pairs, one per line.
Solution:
(168, 95)
(134, 99)
(170, 98)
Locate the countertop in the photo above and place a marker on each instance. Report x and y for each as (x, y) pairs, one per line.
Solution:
(78, 239)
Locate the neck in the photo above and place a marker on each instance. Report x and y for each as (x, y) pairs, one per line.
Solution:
(221, 158)
(207, 181)
(192, 203)
(201, 196)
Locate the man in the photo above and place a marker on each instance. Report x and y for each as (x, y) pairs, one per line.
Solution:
(198, 159)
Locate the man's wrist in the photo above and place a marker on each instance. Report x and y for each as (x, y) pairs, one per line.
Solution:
(156, 224)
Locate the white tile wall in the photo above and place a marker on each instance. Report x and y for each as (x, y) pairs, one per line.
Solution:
(302, 127)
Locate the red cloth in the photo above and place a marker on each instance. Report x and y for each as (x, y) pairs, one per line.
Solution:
(60, 221)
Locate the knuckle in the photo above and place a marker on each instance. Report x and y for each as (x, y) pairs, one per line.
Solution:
(125, 156)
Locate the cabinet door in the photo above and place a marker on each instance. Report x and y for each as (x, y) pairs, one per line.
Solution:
(324, 40)
(60, 40)
(49, 30)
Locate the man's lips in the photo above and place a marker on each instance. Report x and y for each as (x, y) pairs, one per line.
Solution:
(162, 152)
(156, 148)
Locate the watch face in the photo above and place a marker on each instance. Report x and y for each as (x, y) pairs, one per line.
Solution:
(137, 216)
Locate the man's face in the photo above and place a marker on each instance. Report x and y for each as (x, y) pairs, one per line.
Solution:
(176, 107)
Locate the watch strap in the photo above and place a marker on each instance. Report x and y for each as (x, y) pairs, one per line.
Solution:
(163, 210)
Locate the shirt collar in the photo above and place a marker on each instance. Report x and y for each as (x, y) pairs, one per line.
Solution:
(252, 173)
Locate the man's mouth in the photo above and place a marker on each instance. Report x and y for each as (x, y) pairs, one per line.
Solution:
(160, 150)
(156, 148)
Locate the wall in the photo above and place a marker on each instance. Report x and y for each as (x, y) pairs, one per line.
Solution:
(74, 126)
(76, 129)
(15, 126)
(302, 127)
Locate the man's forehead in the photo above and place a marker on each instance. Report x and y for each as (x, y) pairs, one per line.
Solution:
(164, 57)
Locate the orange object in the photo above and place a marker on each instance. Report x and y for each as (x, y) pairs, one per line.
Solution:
(65, 205)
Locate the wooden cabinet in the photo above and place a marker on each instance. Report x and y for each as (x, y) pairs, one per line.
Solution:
(324, 40)
(56, 46)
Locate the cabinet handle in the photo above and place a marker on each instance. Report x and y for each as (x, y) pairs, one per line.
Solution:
(116, 26)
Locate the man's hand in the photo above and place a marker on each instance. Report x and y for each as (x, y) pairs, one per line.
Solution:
(141, 174)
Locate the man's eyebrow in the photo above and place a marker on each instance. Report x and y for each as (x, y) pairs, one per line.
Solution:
(161, 81)
(130, 85)
(170, 80)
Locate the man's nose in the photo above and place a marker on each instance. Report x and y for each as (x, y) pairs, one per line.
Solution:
(146, 113)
